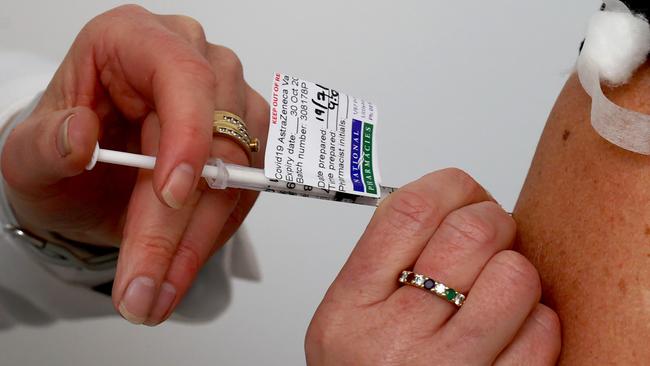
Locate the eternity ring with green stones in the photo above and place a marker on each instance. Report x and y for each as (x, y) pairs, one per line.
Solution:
(433, 286)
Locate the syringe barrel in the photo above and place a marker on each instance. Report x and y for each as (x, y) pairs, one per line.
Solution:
(221, 176)
(254, 179)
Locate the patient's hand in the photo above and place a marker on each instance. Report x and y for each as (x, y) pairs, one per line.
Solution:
(584, 221)
(444, 226)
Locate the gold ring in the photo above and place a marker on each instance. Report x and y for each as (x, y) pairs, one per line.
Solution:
(233, 127)
(433, 286)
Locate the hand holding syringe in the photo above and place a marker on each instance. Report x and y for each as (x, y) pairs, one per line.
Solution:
(220, 175)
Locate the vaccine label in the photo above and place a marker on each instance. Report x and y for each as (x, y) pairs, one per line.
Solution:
(322, 138)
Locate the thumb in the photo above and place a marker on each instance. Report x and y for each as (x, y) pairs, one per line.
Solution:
(47, 148)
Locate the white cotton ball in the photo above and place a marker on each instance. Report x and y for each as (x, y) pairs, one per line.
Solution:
(617, 43)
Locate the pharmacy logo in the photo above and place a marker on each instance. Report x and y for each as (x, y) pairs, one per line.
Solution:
(361, 172)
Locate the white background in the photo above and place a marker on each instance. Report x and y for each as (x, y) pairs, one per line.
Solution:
(458, 83)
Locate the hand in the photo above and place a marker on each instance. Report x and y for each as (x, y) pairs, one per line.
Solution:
(145, 83)
(446, 227)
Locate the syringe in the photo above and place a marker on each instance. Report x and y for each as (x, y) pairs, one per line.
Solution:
(220, 175)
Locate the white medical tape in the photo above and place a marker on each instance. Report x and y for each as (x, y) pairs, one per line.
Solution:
(625, 128)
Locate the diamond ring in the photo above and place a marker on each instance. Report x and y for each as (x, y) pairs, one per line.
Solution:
(433, 286)
(233, 127)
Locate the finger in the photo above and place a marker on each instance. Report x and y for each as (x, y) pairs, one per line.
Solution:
(142, 59)
(230, 97)
(455, 255)
(214, 208)
(186, 259)
(194, 249)
(538, 341)
(217, 216)
(257, 114)
(188, 28)
(45, 149)
(198, 243)
(399, 231)
(504, 294)
(151, 235)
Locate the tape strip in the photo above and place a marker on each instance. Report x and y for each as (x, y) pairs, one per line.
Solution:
(625, 128)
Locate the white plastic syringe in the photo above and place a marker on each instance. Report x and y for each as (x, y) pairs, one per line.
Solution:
(220, 176)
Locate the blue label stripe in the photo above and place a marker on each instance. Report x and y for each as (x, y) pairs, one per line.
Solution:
(355, 155)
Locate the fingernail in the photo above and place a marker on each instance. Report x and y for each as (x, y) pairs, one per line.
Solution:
(166, 297)
(62, 140)
(138, 299)
(179, 186)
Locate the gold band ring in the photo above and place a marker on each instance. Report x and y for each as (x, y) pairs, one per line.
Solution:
(233, 127)
(433, 286)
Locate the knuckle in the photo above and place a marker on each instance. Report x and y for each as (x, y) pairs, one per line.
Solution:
(194, 131)
(329, 331)
(465, 226)
(229, 62)
(198, 68)
(317, 333)
(322, 333)
(180, 60)
(258, 108)
(518, 273)
(317, 342)
(127, 9)
(189, 257)
(193, 28)
(469, 334)
(409, 210)
(208, 78)
(493, 208)
(500, 215)
(158, 247)
(115, 17)
(461, 179)
(197, 135)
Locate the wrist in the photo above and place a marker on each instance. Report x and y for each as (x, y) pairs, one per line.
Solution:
(53, 247)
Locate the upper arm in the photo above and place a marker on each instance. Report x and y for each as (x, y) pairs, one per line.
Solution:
(584, 221)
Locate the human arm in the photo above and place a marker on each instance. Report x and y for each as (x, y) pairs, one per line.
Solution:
(584, 222)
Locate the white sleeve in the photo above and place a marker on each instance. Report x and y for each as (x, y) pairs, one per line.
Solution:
(33, 291)
(29, 292)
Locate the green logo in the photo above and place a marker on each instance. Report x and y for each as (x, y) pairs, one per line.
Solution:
(368, 173)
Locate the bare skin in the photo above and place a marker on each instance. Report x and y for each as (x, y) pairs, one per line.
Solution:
(584, 222)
